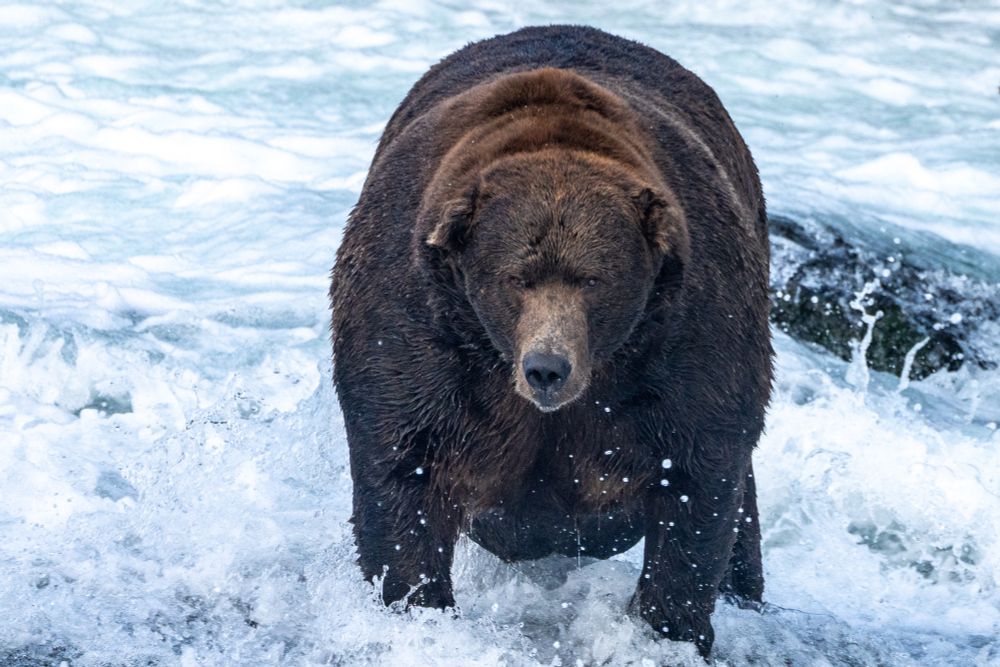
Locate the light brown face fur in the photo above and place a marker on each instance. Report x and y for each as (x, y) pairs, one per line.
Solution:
(553, 321)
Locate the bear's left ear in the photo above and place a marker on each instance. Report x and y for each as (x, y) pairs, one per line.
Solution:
(662, 221)
(656, 218)
(665, 225)
(453, 227)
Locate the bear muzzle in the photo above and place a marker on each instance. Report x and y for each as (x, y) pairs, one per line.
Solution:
(552, 366)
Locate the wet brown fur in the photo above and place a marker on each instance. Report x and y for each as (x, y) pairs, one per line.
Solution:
(515, 170)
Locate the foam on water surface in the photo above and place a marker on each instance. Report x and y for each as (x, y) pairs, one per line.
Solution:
(173, 466)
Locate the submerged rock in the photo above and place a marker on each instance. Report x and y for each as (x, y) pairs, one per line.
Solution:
(926, 317)
(114, 487)
(38, 655)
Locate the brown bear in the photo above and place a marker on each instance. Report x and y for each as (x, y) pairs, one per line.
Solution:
(550, 319)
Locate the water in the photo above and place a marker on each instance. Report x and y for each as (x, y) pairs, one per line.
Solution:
(172, 460)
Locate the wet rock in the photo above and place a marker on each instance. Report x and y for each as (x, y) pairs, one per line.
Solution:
(107, 405)
(822, 285)
(111, 485)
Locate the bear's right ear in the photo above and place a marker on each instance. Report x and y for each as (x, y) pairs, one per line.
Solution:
(452, 230)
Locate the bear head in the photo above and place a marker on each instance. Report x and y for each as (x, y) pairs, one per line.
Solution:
(559, 253)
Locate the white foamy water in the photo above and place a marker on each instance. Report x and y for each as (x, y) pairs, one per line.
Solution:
(173, 479)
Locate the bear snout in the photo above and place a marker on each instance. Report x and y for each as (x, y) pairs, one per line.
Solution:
(550, 376)
(546, 373)
(552, 351)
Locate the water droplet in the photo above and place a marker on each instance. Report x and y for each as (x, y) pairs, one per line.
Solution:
(664, 482)
(684, 499)
(666, 463)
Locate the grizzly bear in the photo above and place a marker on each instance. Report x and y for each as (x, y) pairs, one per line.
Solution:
(550, 325)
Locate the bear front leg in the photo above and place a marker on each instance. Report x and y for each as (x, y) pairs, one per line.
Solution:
(691, 527)
(407, 537)
(744, 580)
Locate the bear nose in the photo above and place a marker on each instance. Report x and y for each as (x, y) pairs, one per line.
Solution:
(546, 372)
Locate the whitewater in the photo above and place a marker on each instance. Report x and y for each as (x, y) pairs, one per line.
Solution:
(174, 487)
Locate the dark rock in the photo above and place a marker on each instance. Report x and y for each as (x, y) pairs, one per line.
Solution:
(822, 284)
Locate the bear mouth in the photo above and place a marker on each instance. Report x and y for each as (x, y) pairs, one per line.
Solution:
(548, 403)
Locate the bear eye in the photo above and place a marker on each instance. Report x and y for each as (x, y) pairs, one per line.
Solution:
(591, 282)
(516, 282)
